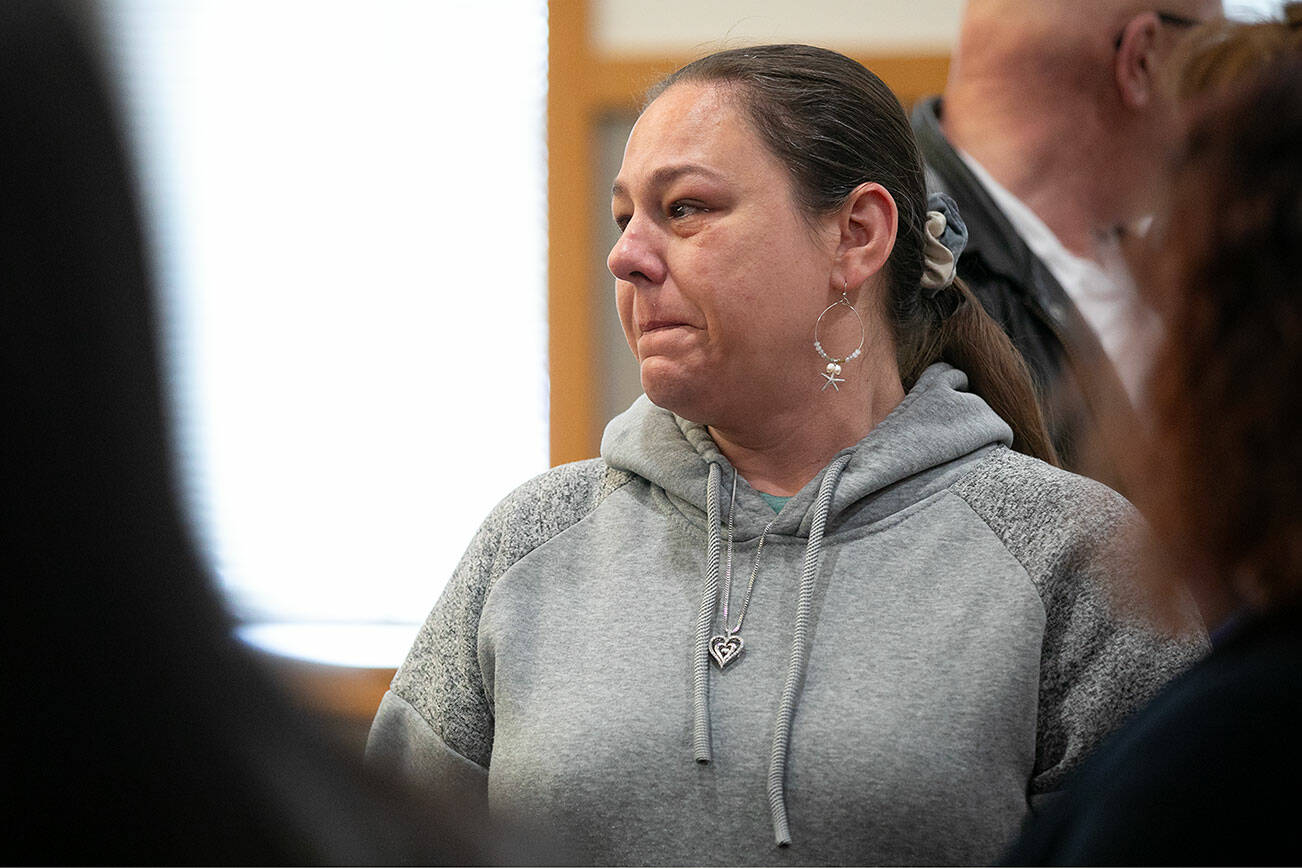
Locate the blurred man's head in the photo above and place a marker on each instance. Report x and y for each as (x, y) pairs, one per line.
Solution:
(1041, 89)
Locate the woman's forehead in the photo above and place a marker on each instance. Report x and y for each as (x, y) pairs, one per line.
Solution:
(691, 123)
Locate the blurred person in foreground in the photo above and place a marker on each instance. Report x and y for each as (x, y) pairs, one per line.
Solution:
(1051, 135)
(1203, 774)
(137, 730)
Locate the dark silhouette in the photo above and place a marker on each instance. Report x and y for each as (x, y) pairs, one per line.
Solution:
(138, 729)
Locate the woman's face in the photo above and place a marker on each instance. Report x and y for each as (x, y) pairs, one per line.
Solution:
(720, 276)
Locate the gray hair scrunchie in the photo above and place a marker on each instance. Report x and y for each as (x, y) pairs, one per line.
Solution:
(946, 236)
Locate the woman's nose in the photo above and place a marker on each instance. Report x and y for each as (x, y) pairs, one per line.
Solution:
(636, 257)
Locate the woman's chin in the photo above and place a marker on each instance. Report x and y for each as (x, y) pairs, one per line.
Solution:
(677, 390)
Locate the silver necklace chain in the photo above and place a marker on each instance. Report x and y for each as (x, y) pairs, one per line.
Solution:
(727, 646)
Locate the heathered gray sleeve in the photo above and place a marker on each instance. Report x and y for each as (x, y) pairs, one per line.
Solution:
(1079, 543)
(437, 702)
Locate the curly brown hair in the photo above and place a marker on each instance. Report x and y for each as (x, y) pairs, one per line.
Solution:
(1224, 268)
(1223, 53)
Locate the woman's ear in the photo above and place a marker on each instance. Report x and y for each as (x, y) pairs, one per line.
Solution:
(868, 222)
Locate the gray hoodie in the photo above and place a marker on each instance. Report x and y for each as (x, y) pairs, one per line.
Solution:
(928, 651)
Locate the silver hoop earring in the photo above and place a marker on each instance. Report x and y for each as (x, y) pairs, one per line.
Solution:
(832, 374)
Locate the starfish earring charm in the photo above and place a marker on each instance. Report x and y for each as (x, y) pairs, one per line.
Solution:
(832, 377)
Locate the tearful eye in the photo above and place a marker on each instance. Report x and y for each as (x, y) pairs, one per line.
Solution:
(682, 209)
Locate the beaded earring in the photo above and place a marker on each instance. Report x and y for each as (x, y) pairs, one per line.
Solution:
(832, 374)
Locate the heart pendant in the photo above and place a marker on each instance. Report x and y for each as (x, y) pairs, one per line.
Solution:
(725, 649)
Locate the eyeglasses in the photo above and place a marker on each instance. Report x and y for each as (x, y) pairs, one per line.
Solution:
(1169, 18)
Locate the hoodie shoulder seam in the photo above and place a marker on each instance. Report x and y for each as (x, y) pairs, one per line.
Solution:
(962, 489)
(1025, 503)
(1003, 542)
(441, 677)
(546, 507)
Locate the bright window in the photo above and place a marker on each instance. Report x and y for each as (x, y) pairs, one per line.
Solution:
(347, 204)
(1253, 10)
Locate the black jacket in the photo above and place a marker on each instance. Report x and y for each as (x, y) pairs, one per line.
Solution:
(1075, 380)
(1189, 780)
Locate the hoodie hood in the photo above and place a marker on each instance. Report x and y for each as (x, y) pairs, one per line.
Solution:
(938, 423)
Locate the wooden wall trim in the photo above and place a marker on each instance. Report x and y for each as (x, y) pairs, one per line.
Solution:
(340, 692)
(571, 324)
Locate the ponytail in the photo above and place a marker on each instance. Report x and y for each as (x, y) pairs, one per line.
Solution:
(969, 339)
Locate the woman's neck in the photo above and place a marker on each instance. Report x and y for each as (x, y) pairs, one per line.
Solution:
(780, 452)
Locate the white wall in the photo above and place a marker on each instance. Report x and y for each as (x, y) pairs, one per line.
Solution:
(635, 27)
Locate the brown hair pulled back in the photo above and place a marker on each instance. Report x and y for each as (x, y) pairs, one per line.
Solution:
(836, 125)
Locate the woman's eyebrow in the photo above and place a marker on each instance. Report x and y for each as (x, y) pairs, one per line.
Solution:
(665, 174)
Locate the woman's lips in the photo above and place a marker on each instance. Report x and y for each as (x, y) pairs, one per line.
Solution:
(659, 325)
(661, 335)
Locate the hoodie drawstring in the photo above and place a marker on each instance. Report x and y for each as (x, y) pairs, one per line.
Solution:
(799, 654)
(777, 778)
(705, 622)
